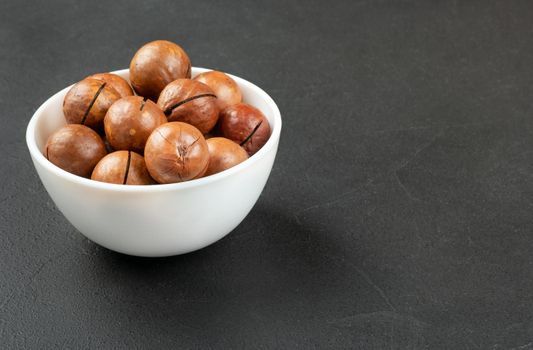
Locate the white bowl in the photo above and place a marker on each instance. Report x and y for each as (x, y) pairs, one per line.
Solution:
(157, 220)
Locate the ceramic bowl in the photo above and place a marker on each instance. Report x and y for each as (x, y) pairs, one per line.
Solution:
(157, 220)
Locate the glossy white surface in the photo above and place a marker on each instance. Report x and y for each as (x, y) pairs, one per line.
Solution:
(158, 220)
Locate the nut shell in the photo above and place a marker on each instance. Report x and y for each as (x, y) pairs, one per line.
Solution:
(87, 102)
(225, 88)
(246, 125)
(223, 154)
(176, 152)
(191, 102)
(155, 65)
(118, 83)
(130, 121)
(75, 148)
(122, 167)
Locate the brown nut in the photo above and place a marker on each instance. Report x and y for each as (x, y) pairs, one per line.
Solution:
(155, 65)
(245, 125)
(124, 168)
(118, 83)
(176, 152)
(130, 121)
(223, 154)
(75, 148)
(189, 101)
(87, 102)
(227, 91)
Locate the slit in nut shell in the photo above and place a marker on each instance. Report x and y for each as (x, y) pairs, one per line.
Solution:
(189, 101)
(246, 125)
(87, 103)
(123, 168)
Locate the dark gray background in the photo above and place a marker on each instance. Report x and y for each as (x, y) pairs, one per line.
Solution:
(398, 214)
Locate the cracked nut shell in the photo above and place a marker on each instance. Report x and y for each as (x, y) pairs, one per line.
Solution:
(189, 101)
(176, 152)
(76, 149)
(123, 168)
(155, 65)
(223, 154)
(87, 102)
(246, 125)
(130, 121)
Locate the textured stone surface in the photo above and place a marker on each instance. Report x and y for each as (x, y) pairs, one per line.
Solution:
(398, 214)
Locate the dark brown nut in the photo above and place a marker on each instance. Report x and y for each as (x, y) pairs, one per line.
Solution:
(75, 148)
(118, 83)
(87, 102)
(176, 152)
(155, 65)
(123, 168)
(189, 101)
(227, 91)
(245, 125)
(223, 154)
(130, 121)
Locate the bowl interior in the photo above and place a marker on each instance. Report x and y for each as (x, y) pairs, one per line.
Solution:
(49, 118)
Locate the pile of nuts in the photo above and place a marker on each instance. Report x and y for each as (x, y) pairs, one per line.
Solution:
(169, 128)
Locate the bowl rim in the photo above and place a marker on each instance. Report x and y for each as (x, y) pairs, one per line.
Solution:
(57, 171)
